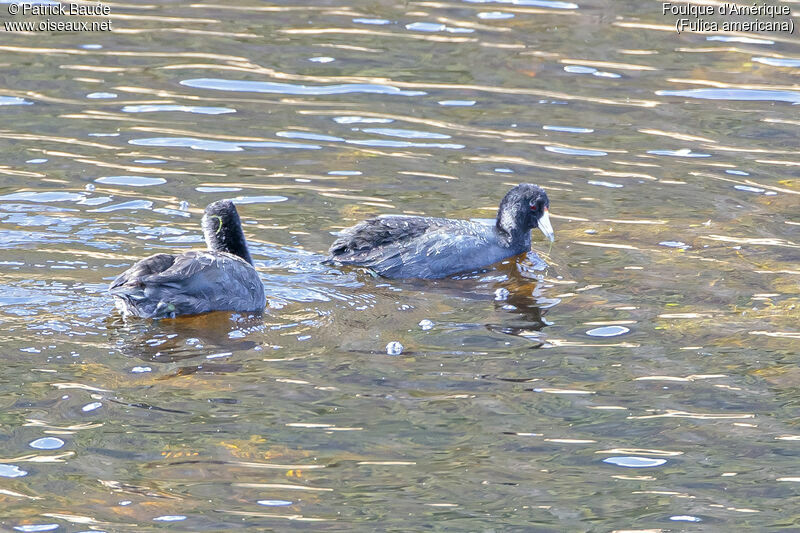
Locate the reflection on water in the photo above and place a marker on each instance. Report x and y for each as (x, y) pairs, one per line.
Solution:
(638, 374)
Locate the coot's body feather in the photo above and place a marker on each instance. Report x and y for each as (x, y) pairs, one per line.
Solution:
(220, 279)
(398, 246)
(420, 247)
(163, 286)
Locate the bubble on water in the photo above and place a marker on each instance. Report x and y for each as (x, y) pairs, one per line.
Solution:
(394, 348)
(608, 331)
(47, 443)
(426, 324)
(141, 369)
(634, 462)
(501, 294)
(90, 187)
(184, 205)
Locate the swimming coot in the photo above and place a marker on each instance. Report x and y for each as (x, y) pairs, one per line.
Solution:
(397, 246)
(220, 279)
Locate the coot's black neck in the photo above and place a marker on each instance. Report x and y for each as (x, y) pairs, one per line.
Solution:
(511, 229)
(222, 229)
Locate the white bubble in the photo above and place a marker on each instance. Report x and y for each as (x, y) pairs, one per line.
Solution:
(501, 294)
(394, 348)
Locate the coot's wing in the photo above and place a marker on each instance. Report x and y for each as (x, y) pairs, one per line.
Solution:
(445, 250)
(357, 243)
(196, 282)
(146, 267)
(417, 247)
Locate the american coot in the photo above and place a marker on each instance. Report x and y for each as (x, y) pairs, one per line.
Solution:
(221, 279)
(397, 246)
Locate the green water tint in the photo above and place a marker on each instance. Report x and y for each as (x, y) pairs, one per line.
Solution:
(505, 414)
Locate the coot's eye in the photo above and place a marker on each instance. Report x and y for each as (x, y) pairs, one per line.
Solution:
(533, 206)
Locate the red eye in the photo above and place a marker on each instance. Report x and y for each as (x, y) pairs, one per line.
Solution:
(533, 207)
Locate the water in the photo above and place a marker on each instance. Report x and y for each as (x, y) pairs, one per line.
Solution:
(673, 172)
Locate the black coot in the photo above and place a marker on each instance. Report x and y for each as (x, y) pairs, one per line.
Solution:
(220, 279)
(397, 246)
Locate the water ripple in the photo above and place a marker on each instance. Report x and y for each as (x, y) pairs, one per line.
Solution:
(403, 144)
(575, 151)
(216, 145)
(634, 462)
(750, 95)
(150, 108)
(553, 4)
(290, 88)
(132, 181)
(406, 134)
(778, 62)
(13, 100)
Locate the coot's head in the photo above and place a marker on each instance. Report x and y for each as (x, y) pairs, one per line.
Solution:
(222, 229)
(525, 207)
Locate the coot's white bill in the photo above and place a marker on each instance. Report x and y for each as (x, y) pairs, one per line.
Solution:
(545, 226)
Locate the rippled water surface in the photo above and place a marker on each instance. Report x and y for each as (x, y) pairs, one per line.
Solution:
(646, 379)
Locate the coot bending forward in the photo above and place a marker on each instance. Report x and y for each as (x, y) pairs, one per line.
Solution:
(397, 246)
(220, 279)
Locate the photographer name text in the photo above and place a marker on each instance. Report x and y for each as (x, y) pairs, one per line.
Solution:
(57, 10)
